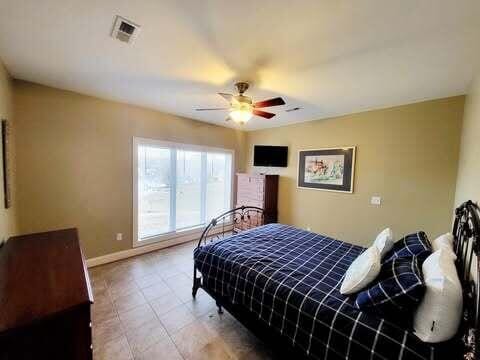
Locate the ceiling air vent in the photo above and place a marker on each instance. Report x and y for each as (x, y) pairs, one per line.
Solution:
(125, 30)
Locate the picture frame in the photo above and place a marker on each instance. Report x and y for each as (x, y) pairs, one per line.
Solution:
(5, 128)
(327, 169)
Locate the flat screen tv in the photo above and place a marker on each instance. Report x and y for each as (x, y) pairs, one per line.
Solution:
(264, 155)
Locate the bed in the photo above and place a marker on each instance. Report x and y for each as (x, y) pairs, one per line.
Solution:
(283, 284)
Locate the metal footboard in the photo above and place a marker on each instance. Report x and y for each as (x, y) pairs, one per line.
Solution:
(224, 225)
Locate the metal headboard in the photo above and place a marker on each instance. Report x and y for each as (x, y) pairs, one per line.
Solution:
(232, 221)
(226, 224)
(466, 231)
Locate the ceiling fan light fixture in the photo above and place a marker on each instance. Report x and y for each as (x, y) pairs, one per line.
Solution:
(241, 112)
(241, 116)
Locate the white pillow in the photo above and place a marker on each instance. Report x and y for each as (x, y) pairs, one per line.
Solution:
(384, 241)
(362, 271)
(438, 316)
(443, 240)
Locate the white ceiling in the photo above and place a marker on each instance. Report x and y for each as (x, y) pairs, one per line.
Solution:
(329, 57)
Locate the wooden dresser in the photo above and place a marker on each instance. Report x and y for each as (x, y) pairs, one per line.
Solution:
(45, 298)
(260, 191)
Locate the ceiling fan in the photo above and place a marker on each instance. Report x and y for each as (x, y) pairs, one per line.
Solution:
(242, 107)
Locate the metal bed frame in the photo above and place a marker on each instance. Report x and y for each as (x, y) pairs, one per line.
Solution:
(226, 224)
(466, 232)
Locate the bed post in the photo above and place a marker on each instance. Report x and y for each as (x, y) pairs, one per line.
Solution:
(196, 282)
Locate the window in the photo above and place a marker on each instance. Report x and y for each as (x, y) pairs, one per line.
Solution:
(178, 188)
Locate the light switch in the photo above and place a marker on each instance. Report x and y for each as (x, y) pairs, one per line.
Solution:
(376, 200)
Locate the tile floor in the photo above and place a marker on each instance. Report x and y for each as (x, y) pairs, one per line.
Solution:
(144, 310)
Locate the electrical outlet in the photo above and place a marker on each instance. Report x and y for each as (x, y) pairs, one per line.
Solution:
(119, 237)
(308, 228)
(376, 200)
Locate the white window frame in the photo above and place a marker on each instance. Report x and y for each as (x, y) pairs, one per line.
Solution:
(138, 141)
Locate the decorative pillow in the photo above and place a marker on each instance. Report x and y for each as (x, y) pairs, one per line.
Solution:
(445, 240)
(399, 287)
(384, 241)
(414, 244)
(362, 271)
(439, 314)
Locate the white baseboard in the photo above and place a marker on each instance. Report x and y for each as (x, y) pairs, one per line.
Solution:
(125, 254)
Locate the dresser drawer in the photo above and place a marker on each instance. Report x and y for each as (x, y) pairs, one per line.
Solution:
(243, 196)
(250, 188)
(65, 336)
(250, 202)
(250, 184)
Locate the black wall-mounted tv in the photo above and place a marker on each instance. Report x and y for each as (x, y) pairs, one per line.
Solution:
(264, 155)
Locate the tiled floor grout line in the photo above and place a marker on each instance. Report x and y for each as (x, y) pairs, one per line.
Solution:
(166, 331)
(121, 323)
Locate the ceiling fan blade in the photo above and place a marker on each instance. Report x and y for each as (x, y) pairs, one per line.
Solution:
(228, 97)
(264, 114)
(209, 109)
(270, 102)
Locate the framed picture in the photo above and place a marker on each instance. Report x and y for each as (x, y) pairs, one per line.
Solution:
(5, 164)
(330, 169)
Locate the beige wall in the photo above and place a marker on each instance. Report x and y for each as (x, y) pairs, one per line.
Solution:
(74, 165)
(468, 181)
(75, 161)
(7, 216)
(407, 155)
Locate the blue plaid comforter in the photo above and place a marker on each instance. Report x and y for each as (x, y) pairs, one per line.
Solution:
(290, 279)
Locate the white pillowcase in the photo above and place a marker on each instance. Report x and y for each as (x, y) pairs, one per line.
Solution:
(445, 240)
(362, 271)
(384, 241)
(438, 316)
